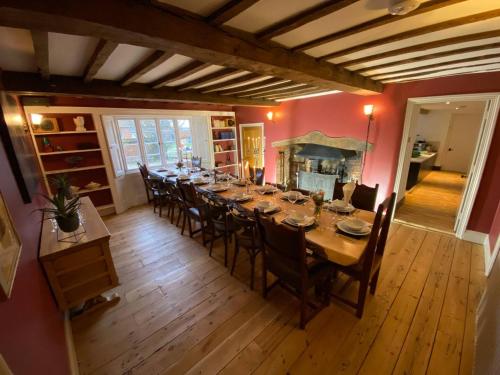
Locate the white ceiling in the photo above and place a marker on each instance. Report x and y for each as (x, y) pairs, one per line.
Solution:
(468, 107)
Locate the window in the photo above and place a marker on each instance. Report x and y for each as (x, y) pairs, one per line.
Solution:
(130, 142)
(156, 141)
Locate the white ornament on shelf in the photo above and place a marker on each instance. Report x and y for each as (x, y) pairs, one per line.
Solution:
(80, 123)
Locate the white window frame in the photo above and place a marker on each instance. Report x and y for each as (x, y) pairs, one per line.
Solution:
(140, 136)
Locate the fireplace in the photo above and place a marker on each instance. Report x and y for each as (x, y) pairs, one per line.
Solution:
(315, 161)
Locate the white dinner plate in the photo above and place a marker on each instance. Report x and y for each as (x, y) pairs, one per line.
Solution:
(345, 228)
(217, 188)
(307, 222)
(241, 198)
(344, 209)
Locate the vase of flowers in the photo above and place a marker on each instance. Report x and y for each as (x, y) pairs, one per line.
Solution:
(318, 199)
(179, 165)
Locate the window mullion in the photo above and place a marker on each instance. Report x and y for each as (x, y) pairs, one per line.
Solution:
(161, 143)
(177, 140)
(140, 139)
(120, 145)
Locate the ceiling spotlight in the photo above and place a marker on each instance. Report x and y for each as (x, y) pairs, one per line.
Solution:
(447, 102)
(457, 108)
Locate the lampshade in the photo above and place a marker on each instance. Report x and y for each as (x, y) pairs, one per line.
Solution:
(368, 109)
(36, 119)
(270, 115)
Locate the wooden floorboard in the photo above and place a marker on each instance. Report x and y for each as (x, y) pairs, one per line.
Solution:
(181, 311)
(434, 201)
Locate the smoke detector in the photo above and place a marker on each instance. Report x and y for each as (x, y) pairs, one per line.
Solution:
(402, 7)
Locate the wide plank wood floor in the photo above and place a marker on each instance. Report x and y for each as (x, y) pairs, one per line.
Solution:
(181, 312)
(434, 201)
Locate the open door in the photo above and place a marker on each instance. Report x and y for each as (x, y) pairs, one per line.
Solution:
(252, 144)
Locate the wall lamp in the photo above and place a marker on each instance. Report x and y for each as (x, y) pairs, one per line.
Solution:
(368, 110)
(36, 119)
(270, 115)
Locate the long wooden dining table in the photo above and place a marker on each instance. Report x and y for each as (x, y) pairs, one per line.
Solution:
(324, 239)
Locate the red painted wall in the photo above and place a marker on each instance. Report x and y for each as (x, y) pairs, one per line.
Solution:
(342, 115)
(495, 230)
(31, 328)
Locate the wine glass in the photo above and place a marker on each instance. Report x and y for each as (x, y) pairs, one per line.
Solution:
(293, 197)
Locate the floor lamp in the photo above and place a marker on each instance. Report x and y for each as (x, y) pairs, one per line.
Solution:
(368, 110)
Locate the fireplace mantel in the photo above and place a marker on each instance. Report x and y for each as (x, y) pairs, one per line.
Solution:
(318, 138)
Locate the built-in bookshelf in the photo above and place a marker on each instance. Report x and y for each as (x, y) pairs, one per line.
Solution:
(61, 149)
(224, 144)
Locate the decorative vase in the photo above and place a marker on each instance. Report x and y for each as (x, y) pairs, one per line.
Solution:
(318, 199)
(68, 224)
(79, 123)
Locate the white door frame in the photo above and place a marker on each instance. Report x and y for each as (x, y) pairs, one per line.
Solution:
(263, 139)
(489, 120)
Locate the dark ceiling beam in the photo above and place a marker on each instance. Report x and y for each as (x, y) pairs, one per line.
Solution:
(374, 23)
(287, 86)
(423, 47)
(302, 18)
(425, 73)
(415, 32)
(33, 84)
(429, 57)
(229, 10)
(149, 63)
(185, 71)
(252, 86)
(247, 78)
(209, 78)
(147, 26)
(443, 66)
(101, 54)
(41, 46)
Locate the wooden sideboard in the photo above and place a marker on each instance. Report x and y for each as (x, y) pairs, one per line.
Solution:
(78, 271)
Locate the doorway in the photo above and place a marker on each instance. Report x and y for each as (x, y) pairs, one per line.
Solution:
(252, 144)
(441, 162)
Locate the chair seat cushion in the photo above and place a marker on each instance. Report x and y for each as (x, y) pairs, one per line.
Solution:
(317, 269)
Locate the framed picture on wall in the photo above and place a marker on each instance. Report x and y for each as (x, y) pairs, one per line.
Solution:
(18, 146)
(10, 251)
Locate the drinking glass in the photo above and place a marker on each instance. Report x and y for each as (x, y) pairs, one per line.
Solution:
(292, 197)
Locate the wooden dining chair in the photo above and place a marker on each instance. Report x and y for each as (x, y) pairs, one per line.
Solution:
(159, 194)
(367, 270)
(219, 223)
(364, 197)
(284, 255)
(247, 237)
(174, 201)
(258, 179)
(194, 210)
(143, 170)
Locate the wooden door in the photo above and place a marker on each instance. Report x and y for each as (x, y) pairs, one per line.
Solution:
(252, 144)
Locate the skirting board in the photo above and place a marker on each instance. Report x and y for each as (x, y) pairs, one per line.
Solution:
(70, 346)
(476, 237)
(490, 256)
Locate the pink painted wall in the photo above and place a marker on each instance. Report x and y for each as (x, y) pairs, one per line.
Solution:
(342, 115)
(31, 328)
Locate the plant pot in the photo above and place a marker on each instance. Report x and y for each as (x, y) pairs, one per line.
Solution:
(68, 224)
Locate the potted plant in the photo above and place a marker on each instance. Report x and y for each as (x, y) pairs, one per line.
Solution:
(64, 211)
(60, 183)
(64, 206)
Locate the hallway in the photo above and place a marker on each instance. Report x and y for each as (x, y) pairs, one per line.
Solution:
(434, 201)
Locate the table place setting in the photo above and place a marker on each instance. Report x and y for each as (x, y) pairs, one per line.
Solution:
(339, 206)
(354, 227)
(199, 181)
(239, 182)
(299, 219)
(294, 197)
(267, 207)
(241, 197)
(266, 189)
(183, 177)
(217, 188)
